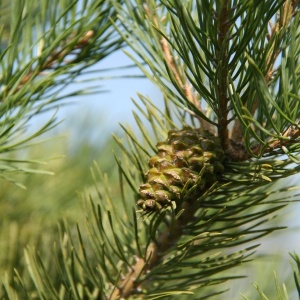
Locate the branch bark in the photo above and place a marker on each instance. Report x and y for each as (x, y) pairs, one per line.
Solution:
(129, 285)
(155, 253)
(179, 74)
(222, 74)
(57, 55)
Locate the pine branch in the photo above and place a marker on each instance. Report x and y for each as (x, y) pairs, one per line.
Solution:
(222, 14)
(224, 101)
(232, 92)
(57, 57)
(203, 199)
(277, 29)
(179, 222)
(184, 86)
(40, 57)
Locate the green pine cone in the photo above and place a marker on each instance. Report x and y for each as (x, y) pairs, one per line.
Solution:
(174, 173)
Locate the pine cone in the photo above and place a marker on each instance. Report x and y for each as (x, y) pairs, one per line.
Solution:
(188, 163)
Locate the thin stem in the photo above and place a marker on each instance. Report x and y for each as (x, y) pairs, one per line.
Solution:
(179, 74)
(57, 56)
(288, 12)
(184, 85)
(292, 134)
(129, 285)
(222, 74)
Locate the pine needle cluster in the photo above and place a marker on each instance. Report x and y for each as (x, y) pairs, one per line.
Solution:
(195, 194)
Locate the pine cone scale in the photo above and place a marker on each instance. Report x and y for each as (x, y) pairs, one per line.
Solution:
(174, 172)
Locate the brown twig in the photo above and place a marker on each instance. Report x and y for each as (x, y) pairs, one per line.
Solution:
(290, 137)
(184, 85)
(56, 56)
(222, 75)
(155, 253)
(167, 239)
(288, 12)
(178, 73)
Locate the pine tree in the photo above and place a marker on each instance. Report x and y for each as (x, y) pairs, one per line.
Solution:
(197, 188)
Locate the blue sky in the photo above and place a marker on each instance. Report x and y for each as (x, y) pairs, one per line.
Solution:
(105, 111)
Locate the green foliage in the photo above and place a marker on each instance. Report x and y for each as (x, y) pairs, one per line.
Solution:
(297, 271)
(43, 47)
(281, 290)
(30, 217)
(222, 73)
(49, 45)
(89, 261)
(229, 67)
